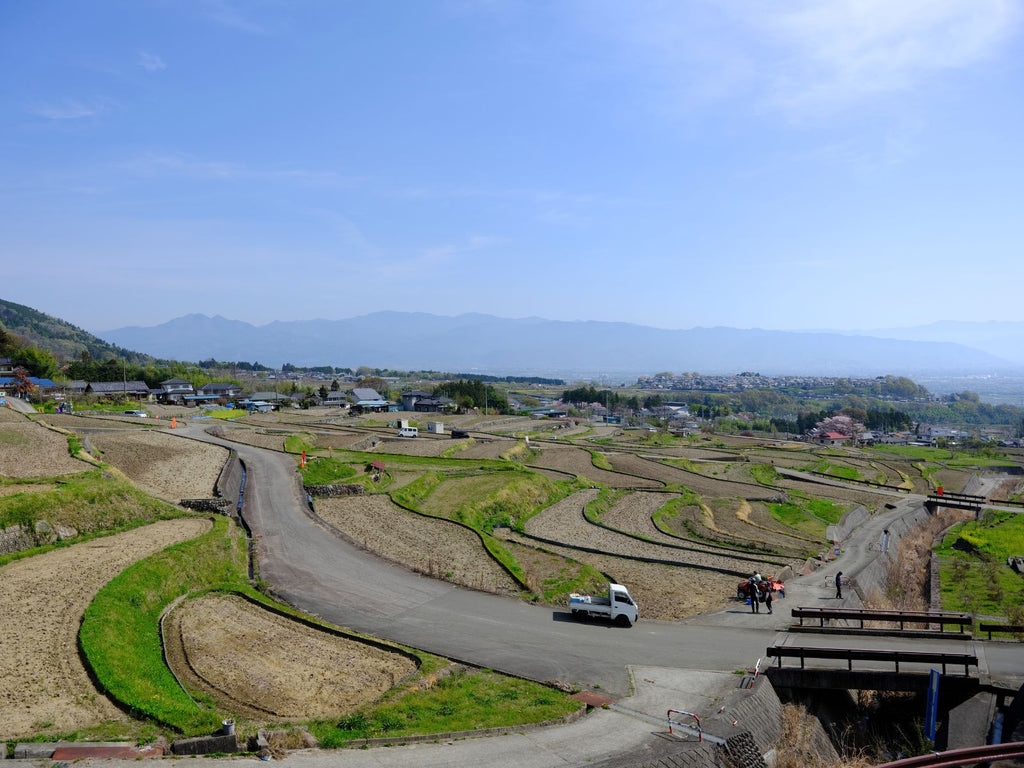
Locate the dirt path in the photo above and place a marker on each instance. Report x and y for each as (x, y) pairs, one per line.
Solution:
(43, 685)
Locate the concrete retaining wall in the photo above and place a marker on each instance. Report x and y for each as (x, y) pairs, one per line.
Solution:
(874, 573)
(229, 484)
(750, 724)
(206, 745)
(974, 486)
(853, 518)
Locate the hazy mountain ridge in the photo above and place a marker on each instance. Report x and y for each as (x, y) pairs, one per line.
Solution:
(416, 340)
(1001, 338)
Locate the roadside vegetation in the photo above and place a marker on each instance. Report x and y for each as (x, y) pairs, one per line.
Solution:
(55, 512)
(120, 637)
(446, 700)
(974, 568)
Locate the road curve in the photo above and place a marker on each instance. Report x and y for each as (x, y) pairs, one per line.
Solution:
(312, 568)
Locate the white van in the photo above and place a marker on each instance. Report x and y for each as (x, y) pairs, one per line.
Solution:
(408, 432)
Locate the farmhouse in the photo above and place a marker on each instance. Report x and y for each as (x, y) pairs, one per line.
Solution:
(173, 391)
(271, 397)
(219, 389)
(336, 398)
(424, 402)
(368, 400)
(137, 390)
(832, 438)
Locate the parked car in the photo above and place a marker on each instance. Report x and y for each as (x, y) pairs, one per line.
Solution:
(459, 433)
(139, 414)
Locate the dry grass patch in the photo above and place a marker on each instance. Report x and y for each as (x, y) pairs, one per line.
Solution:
(485, 448)
(457, 492)
(431, 546)
(664, 592)
(633, 513)
(257, 663)
(43, 686)
(564, 522)
(28, 449)
(166, 466)
(577, 461)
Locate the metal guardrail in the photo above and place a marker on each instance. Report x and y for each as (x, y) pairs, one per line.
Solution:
(966, 756)
(990, 628)
(849, 655)
(942, 618)
(948, 501)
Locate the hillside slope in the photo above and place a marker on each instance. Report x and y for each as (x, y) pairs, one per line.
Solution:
(64, 340)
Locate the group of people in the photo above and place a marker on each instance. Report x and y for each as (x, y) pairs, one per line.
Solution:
(759, 590)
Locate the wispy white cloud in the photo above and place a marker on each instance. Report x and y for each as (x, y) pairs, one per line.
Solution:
(151, 61)
(68, 109)
(796, 55)
(172, 164)
(227, 15)
(841, 51)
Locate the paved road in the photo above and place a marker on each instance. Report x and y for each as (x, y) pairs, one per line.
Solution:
(312, 568)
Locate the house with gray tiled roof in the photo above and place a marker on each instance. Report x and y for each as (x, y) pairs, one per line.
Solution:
(110, 389)
(368, 399)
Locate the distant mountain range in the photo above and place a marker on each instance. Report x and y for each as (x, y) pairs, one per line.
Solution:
(586, 349)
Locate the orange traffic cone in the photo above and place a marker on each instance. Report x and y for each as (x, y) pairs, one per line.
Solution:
(174, 422)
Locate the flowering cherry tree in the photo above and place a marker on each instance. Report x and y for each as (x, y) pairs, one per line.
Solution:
(840, 423)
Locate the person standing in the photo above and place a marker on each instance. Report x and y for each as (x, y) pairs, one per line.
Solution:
(839, 586)
(768, 595)
(752, 595)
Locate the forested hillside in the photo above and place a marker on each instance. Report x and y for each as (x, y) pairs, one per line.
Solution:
(58, 337)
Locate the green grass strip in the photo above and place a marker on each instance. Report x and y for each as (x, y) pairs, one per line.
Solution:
(120, 634)
(462, 701)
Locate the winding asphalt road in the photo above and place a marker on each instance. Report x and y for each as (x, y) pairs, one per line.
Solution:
(313, 568)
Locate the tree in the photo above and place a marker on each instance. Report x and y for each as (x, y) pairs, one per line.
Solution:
(373, 382)
(22, 386)
(38, 361)
(840, 423)
(323, 392)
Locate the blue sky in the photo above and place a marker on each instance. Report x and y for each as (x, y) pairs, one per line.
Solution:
(792, 165)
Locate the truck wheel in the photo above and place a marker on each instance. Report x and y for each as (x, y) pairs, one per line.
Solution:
(623, 620)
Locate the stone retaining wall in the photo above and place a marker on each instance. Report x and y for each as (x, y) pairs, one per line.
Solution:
(327, 491)
(15, 539)
(220, 506)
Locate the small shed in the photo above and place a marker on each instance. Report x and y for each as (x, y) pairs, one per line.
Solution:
(435, 427)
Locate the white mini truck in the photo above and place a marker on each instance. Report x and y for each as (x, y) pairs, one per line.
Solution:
(618, 606)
